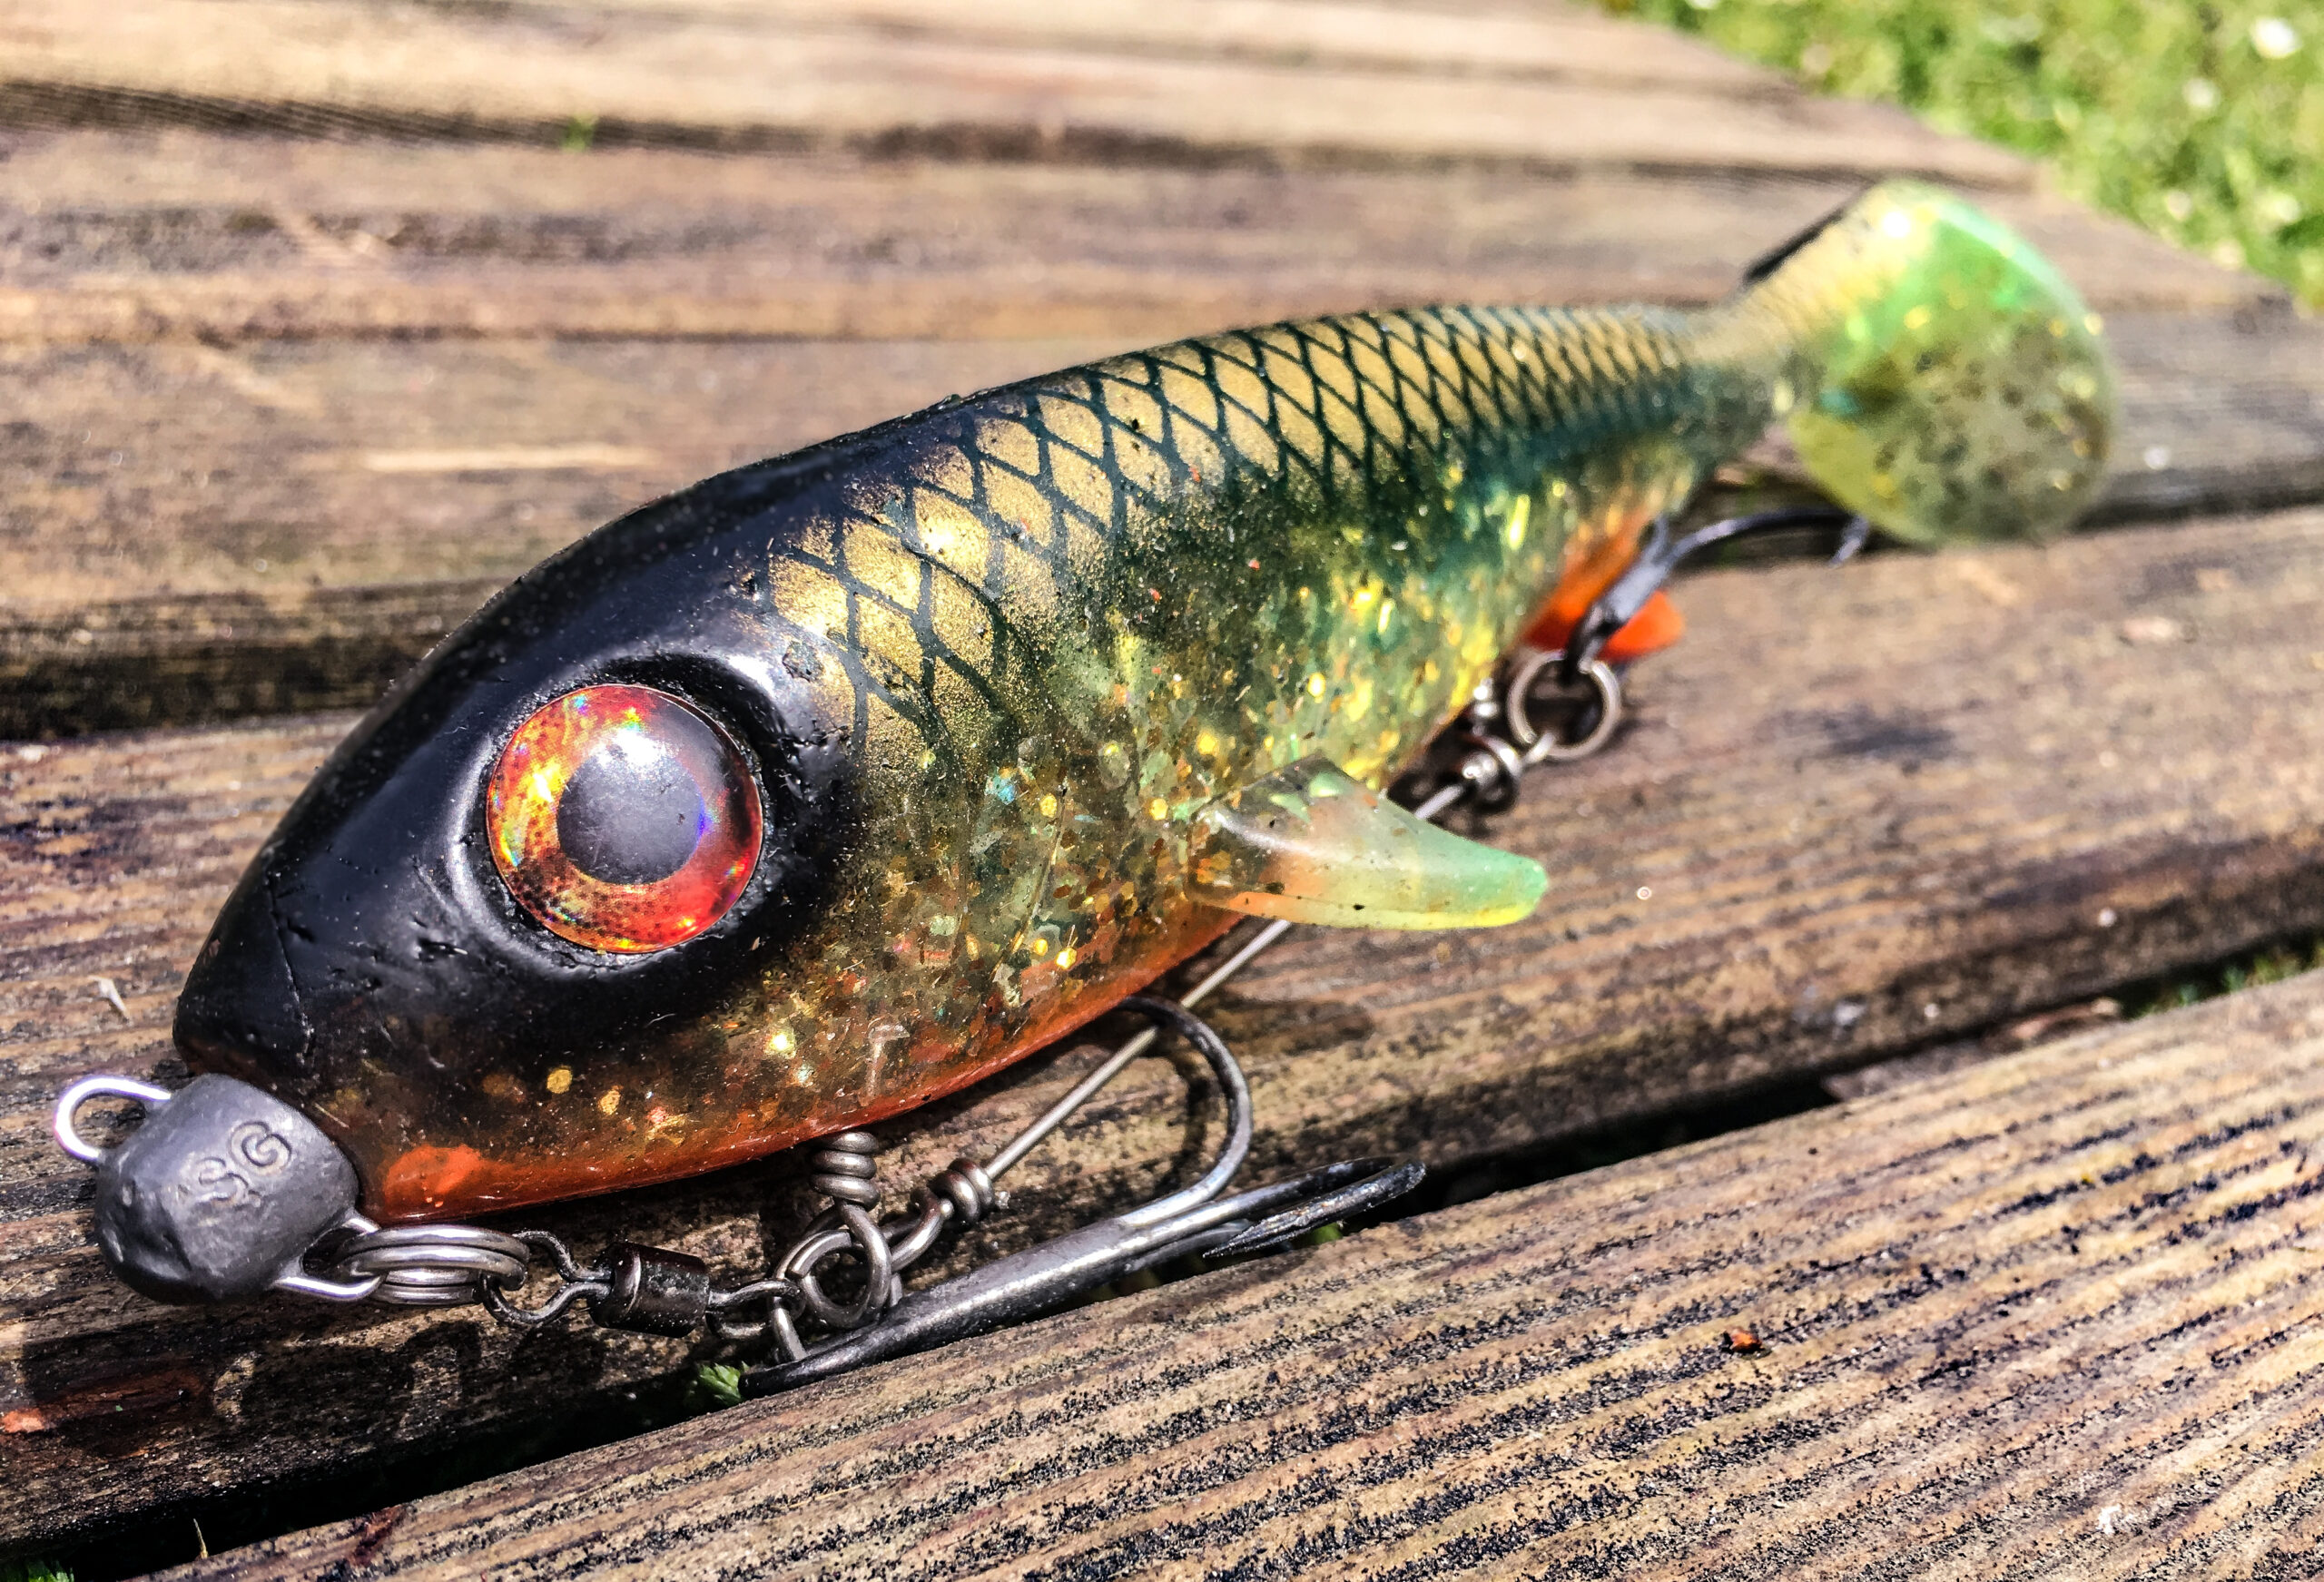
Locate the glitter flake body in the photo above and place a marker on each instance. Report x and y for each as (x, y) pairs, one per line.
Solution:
(995, 660)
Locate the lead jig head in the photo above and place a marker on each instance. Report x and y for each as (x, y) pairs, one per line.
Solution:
(220, 1194)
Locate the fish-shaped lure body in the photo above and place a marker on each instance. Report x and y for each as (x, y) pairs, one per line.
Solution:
(839, 781)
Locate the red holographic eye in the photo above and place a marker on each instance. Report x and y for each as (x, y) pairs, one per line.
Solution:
(622, 820)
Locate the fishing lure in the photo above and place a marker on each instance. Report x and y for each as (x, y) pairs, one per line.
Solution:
(838, 782)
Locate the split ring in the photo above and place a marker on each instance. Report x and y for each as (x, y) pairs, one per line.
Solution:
(1596, 678)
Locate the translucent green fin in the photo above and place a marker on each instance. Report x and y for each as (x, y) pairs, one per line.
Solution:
(1948, 382)
(1310, 844)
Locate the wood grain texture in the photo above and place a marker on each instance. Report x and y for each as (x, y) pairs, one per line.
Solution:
(268, 466)
(1492, 40)
(1857, 812)
(195, 533)
(732, 78)
(293, 395)
(2060, 1316)
(2227, 412)
(238, 357)
(146, 236)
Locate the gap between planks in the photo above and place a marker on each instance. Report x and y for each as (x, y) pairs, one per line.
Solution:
(1858, 812)
(2060, 1316)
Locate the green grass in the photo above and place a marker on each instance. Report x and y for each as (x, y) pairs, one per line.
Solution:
(716, 1386)
(2273, 965)
(32, 1571)
(2203, 123)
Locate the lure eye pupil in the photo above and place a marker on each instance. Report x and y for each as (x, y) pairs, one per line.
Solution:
(630, 817)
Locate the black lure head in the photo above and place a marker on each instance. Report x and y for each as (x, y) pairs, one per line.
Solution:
(550, 854)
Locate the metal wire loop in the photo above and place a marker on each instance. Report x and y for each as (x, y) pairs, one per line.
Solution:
(594, 1285)
(769, 1293)
(964, 1189)
(433, 1265)
(61, 1123)
(1596, 693)
(860, 1235)
(559, 1254)
(1232, 1088)
(843, 1168)
(786, 1332)
(509, 1312)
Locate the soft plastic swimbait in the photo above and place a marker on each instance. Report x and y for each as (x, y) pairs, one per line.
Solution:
(839, 781)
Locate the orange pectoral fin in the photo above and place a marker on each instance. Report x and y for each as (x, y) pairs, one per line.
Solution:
(1656, 625)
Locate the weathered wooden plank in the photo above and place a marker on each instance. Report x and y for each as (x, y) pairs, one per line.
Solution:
(2225, 412)
(177, 471)
(1857, 812)
(1520, 40)
(2060, 1316)
(194, 532)
(214, 460)
(740, 80)
(181, 236)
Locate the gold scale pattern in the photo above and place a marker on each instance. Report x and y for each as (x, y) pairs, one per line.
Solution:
(1058, 618)
(1079, 608)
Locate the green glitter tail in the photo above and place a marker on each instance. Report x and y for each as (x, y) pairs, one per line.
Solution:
(1939, 376)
